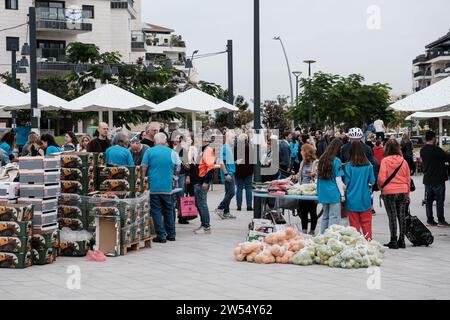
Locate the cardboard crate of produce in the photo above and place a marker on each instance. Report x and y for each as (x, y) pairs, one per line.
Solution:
(132, 174)
(39, 191)
(116, 185)
(16, 260)
(129, 235)
(45, 228)
(41, 205)
(45, 240)
(107, 235)
(72, 187)
(16, 212)
(39, 176)
(15, 244)
(44, 256)
(7, 202)
(9, 190)
(69, 199)
(84, 177)
(40, 163)
(16, 229)
(45, 218)
(74, 249)
(78, 160)
(70, 212)
(73, 224)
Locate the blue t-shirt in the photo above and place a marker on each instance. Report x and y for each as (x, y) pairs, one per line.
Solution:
(358, 194)
(160, 162)
(228, 158)
(327, 189)
(22, 135)
(51, 149)
(119, 156)
(6, 147)
(294, 151)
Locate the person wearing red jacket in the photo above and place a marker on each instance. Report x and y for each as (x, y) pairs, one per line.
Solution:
(395, 193)
(378, 151)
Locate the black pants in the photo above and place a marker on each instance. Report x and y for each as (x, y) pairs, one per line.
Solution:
(296, 167)
(308, 207)
(396, 210)
(380, 136)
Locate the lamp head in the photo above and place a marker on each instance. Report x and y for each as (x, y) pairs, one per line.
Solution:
(297, 73)
(276, 38)
(309, 61)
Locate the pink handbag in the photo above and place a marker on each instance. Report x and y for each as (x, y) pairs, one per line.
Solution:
(188, 209)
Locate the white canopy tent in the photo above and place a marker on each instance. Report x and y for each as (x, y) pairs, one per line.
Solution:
(46, 101)
(433, 98)
(12, 97)
(109, 98)
(430, 115)
(194, 100)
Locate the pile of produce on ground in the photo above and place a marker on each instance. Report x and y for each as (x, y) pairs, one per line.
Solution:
(338, 247)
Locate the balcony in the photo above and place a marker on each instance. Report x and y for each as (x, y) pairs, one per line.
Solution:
(127, 4)
(420, 59)
(422, 75)
(441, 73)
(138, 41)
(65, 20)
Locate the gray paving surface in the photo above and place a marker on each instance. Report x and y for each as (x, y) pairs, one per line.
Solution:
(202, 267)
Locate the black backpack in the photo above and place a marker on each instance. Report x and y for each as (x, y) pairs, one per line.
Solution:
(417, 232)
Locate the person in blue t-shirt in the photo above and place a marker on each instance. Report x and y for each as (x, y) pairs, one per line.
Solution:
(49, 145)
(7, 144)
(330, 188)
(22, 134)
(227, 171)
(118, 154)
(359, 178)
(159, 163)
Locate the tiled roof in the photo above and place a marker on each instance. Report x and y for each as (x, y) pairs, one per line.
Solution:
(154, 28)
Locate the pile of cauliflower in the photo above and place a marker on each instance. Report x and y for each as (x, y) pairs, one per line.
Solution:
(307, 189)
(338, 247)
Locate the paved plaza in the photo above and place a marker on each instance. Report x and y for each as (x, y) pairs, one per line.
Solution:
(203, 267)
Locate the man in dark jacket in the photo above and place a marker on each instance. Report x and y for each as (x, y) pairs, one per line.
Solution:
(101, 143)
(285, 151)
(321, 144)
(434, 177)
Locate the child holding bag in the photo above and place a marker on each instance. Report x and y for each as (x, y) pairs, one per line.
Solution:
(359, 178)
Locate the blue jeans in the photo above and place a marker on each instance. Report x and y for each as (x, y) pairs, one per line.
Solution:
(241, 184)
(161, 205)
(201, 202)
(437, 193)
(331, 215)
(230, 191)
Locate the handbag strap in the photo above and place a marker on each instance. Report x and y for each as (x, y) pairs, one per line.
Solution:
(392, 176)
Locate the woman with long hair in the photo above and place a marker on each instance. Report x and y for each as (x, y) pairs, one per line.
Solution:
(49, 145)
(85, 140)
(330, 188)
(407, 150)
(394, 181)
(359, 178)
(70, 142)
(31, 148)
(307, 172)
(8, 143)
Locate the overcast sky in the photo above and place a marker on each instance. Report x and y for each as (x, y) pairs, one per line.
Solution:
(333, 32)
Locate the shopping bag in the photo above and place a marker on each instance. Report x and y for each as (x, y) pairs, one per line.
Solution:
(188, 209)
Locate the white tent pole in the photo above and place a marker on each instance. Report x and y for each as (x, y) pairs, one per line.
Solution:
(440, 132)
(110, 119)
(194, 119)
(100, 117)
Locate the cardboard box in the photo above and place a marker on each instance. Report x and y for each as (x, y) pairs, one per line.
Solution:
(70, 212)
(72, 187)
(39, 176)
(77, 160)
(46, 228)
(15, 244)
(69, 199)
(16, 212)
(74, 249)
(71, 174)
(115, 185)
(45, 163)
(39, 191)
(40, 205)
(45, 240)
(16, 229)
(9, 190)
(15, 260)
(7, 202)
(107, 235)
(44, 256)
(45, 218)
(73, 224)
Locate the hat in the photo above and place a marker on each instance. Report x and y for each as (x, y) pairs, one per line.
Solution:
(34, 131)
(135, 139)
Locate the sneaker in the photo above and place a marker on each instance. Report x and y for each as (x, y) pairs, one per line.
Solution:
(228, 216)
(171, 239)
(220, 213)
(249, 209)
(392, 245)
(202, 230)
(373, 212)
(159, 240)
(312, 233)
(444, 224)
(432, 224)
(401, 243)
(239, 209)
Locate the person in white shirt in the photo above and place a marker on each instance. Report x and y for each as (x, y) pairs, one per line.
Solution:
(379, 129)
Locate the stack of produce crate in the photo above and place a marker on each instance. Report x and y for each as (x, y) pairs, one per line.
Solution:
(16, 229)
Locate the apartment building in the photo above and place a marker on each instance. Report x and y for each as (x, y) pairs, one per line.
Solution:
(432, 66)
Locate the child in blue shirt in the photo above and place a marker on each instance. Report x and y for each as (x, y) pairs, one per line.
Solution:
(49, 145)
(330, 188)
(118, 154)
(359, 178)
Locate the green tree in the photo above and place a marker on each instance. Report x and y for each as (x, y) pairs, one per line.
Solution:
(274, 114)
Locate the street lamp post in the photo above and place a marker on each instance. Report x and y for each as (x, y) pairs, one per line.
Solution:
(190, 64)
(309, 62)
(297, 75)
(33, 69)
(230, 116)
(288, 67)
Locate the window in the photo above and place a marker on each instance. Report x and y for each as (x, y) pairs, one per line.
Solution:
(88, 12)
(12, 43)
(12, 4)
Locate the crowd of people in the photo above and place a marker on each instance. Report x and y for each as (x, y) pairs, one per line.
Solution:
(347, 170)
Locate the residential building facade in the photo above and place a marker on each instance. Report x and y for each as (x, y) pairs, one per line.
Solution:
(432, 66)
